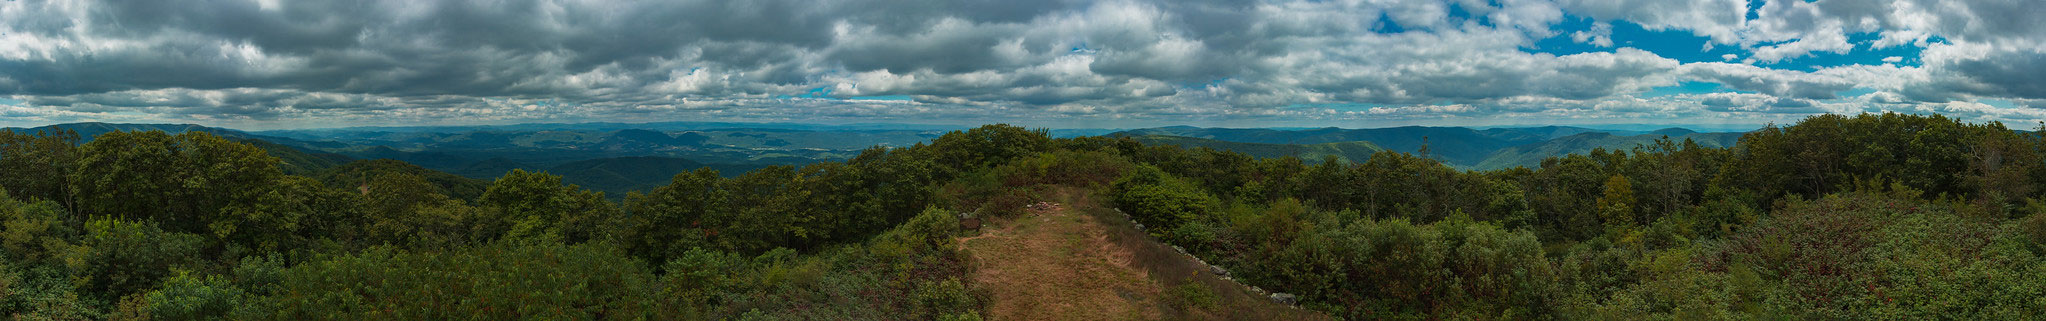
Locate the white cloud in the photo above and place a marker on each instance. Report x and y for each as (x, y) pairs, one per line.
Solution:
(1115, 59)
(1826, 41)
(1720, 20)
(1600, 34)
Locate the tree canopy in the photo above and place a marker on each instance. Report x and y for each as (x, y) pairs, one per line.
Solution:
(1887, 216)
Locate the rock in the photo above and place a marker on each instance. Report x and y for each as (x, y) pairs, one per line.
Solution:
(1286, 299)
(1257, 289)
(1218, 270)
(1140, 226)
(970, 224)
(1180, 249)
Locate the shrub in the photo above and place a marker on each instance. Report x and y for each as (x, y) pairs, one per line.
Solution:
(125, 257)
(934, 227)
(499, 281)
(34, 232)
(933, 299)
(2034, 226)
(1195, 236)
(1159, 200)
(1190, 294)
(188, 297)
(1079, 168)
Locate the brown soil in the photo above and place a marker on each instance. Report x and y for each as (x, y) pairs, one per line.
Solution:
(1081, 261)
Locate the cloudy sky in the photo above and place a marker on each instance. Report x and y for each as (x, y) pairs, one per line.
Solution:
(1370, 63)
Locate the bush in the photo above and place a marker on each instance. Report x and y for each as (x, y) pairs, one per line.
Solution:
(1844, 256)
(187, 297)
(1159, 200)
(1190, 294)
(2034, 226)
(1078, 168)
(125, 257)
(965, 316)
(540, 208)
(500, 281)
(35, 232)
(934, 227)
(933, 299)
(1195, 236)
(1392, 269)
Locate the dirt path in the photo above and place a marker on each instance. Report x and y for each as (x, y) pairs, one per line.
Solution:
(1070, 263)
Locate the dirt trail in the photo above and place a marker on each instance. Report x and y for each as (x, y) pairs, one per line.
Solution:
(1073, 263)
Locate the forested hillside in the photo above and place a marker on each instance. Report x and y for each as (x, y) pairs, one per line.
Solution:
(1885, 216)
(1345, 151)
(1531, 155)
(1459, 147)
(1456, 145)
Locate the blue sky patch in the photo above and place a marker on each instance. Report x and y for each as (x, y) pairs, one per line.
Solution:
(887, 97)
(1686, 47)
(1681, 45)
(1687, 88)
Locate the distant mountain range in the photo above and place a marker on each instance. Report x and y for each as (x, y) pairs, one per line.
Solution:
(611, 126)
(1531, 155)
(1480, 149)
(619, 157)
(1346, 151)
(614, 162)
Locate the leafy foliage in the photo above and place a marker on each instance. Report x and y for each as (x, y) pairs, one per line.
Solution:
(182, 181)
(539, 208)
(502, 281)
(1838, 217)
(1159, 200)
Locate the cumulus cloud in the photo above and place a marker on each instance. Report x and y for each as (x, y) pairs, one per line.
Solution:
(383, 61)
(1600, 34)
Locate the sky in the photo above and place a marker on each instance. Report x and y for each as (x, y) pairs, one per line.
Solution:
(271, 64)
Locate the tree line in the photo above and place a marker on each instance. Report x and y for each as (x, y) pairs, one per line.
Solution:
(1886, 216)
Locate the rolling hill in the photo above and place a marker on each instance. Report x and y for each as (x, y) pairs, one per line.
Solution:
(1465, 148)
(1531, 155)
(615, 159)
(1347, 151)
(88, 131)
(1454, 145)
(296, 161)
(615, 176)
(355, 173)
(491, 169)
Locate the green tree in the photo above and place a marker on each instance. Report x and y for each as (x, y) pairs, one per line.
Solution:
(671, 219)
(1616, 206)
(988, 146)
(125, 257)
(504, 281)
(35, 232)
(540, 208)
(38, 166)
(189, 297)
(768, 212)
(1563, 194)
(182, 182)
(353, 175)
(294, 213)
(1159, 200)
(405, 210)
